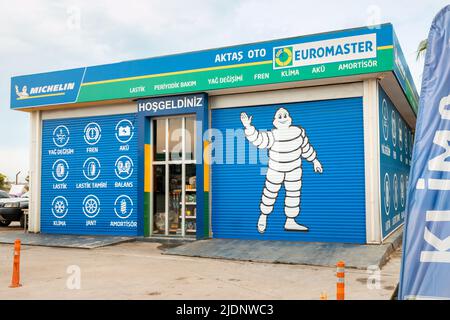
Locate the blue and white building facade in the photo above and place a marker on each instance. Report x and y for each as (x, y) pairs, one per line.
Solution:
(301, 139)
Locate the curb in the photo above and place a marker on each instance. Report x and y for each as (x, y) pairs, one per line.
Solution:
(394, 242)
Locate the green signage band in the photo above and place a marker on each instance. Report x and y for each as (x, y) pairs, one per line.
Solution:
(328, 55)
(225, 78)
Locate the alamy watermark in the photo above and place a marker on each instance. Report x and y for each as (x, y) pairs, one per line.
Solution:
(73, 281)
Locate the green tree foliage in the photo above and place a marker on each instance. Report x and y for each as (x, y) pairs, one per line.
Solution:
(3, 181)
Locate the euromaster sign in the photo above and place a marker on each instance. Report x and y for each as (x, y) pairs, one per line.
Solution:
(233, 142)
(340, 53)
(327, 51)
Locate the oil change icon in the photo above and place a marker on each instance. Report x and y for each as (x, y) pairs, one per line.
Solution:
(124, 167)
(92, 133)
(91, 168)
(60, 170)
(123, 206)
(61, 136)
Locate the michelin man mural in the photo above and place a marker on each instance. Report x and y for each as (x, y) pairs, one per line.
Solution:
(287, 145)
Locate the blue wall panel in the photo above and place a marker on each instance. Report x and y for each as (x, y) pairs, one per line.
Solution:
(332, 204)
(89, 176)
(396, 142)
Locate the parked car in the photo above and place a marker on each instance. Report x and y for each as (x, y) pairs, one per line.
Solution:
(4, 194)
(11, 209)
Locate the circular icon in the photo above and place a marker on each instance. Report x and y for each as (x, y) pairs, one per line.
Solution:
(91, 168)
(400, 133)
(124, 131)
(61, 136)
(395, 192)
(283, 57)
(124, 167)
(60, 170)
(394, 128)
(406, 141)
(123, 206)
(92, 133)
(402, 190)
(91, 206)
(384, 109)
(387, 194)
(60, 207)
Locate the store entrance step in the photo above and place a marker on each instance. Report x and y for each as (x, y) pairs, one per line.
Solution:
(62, 240)
(167, 239)
(359, 256)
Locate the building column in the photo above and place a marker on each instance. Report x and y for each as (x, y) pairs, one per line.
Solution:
(372, 160)
(35, 171)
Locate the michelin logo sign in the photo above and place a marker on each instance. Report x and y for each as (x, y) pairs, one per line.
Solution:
(42, 90)
(326, 51)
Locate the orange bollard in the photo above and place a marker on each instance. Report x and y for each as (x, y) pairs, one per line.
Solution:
(340, 284)
(15, 282)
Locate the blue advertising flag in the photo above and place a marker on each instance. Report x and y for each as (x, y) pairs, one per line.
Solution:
(425, 270)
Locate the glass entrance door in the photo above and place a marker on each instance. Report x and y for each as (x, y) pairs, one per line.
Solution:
(174, 176)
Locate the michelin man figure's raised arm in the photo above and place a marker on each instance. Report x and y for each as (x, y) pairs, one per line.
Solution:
(287, 146)
(260, 139)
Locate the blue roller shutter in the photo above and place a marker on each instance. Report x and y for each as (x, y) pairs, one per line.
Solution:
(89, 176)
(332, 204)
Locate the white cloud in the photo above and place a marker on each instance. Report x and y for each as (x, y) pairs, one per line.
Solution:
(13, 160)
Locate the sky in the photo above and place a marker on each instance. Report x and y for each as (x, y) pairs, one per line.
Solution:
(40, 36)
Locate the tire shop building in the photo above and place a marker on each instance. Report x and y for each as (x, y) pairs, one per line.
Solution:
(300, 139)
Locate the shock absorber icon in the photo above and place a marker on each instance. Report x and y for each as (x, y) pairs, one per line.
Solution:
(123, 206)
